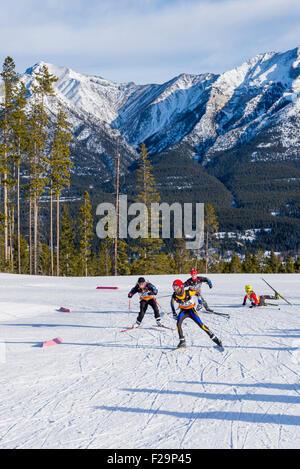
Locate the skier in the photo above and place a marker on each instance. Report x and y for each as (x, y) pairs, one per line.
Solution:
(194, 283)
(147, 291)
(257, 300)
(186, 301)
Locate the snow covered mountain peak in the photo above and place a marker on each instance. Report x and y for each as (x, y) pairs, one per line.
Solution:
(208, 112)
(88, 93)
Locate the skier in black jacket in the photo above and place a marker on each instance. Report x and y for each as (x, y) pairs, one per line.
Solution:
(194, 283)
(147, 292)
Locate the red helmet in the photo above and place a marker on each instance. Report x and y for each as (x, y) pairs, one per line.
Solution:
(178, 286)
(193, 272)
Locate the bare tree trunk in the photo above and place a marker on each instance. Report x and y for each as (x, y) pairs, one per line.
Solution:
(106, 262)
(5, 210)
(57, 235)
(206, 257)
(30, 237)
(18, 220)
(117, 216)
(35, 235)
(11, 236)
(86, 264)
(51, 232)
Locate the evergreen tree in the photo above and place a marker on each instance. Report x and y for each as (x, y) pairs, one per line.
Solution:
(181, 256)
(247, 264)
(297, 264)
(123, 260)
(289, 265)
(10, 79)
(22, 260)
(223, 267)
(256, 267)
(2, 260)
(67, 244)
(147, 194)
(86, 232)
(60, 165)
(37, 163)
(273, 263)
(38, 159)
(104, 259)
(44, 259)
(235, 265)
(261, 261)
(211, 226)
(20, 136)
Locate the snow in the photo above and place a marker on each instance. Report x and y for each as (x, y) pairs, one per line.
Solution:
(102, 388)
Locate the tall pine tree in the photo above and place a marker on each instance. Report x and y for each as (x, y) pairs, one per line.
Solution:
(67, 244)
(60, 165)
(86, 232)
(147, 194)
(211, 226)
(39, 159)
(20, 136)
(10, 79)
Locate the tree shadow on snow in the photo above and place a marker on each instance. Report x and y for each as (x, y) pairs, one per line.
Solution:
(37, 344)
(64, 325)
(283, 399)
(101, 312)
(250, 417)
(282, 386)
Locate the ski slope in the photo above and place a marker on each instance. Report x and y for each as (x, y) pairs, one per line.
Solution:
(102, 388)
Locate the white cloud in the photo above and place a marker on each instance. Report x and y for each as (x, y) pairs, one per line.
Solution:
(155, 35)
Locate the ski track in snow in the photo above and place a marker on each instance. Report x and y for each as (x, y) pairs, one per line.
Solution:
(102, 388)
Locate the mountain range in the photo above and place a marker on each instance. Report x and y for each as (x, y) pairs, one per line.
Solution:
(229, 139)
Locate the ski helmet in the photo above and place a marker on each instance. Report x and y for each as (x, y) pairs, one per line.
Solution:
(248, 288)
(141, 280)
(178, 286)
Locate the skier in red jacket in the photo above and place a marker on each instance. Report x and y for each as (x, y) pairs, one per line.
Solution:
(194, 284)
(256, 300)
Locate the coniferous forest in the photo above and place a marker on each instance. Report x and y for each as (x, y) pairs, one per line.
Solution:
(42, 233)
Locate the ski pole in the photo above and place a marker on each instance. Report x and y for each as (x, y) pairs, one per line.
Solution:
(129, 311)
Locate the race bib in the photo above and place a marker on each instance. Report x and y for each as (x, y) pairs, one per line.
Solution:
(196, 287)
(187, 304)
(146, 295)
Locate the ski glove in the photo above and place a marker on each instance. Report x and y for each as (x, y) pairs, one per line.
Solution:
(209, 284)
(130, 295)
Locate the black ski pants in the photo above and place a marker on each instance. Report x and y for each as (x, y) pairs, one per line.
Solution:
(190, 313)
(143, 308)
(265, 297)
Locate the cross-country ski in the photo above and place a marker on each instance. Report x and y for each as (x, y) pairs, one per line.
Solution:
(277, 293)
(217, 313)
(162, 326)
(131, 328)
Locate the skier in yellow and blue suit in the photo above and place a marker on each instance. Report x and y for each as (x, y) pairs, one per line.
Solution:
(187, 304)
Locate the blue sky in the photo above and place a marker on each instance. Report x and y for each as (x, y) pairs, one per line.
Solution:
(145, 41)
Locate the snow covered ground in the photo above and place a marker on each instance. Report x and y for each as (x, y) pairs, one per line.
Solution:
(102, 388)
